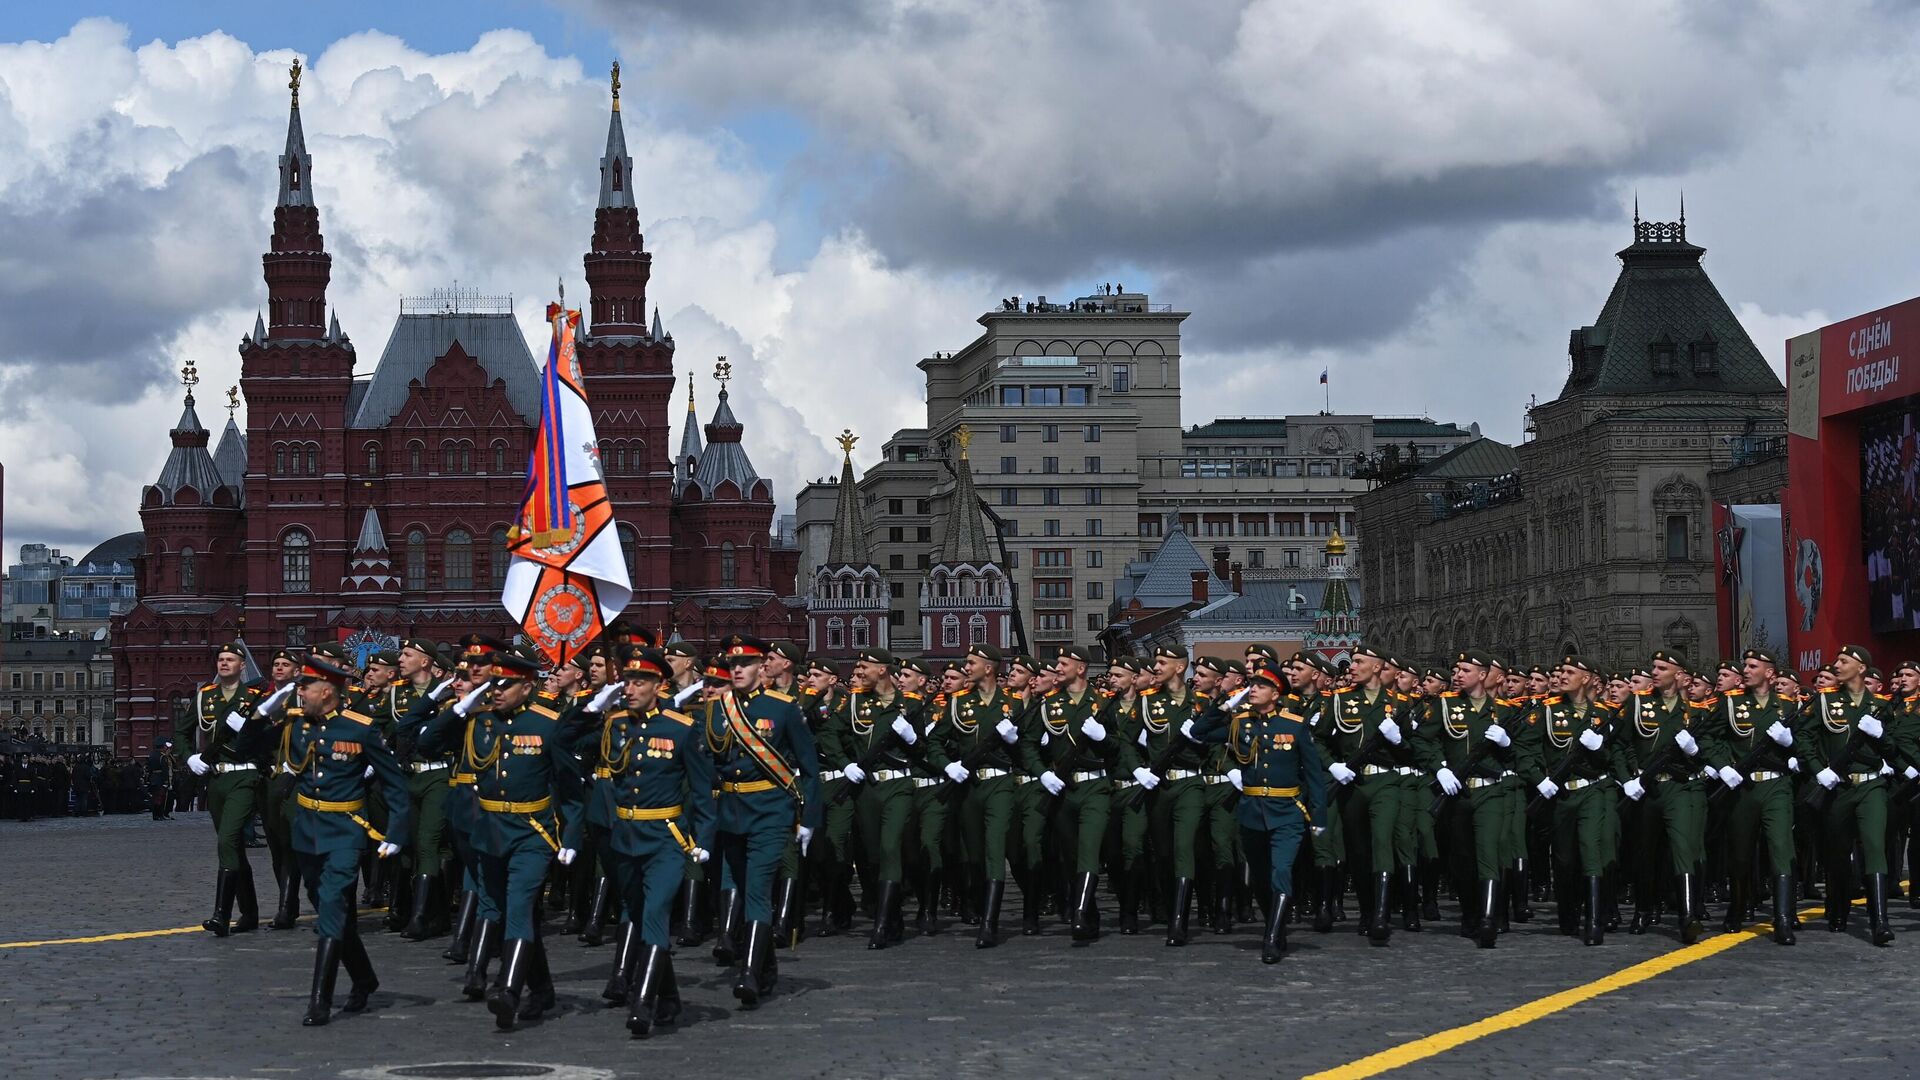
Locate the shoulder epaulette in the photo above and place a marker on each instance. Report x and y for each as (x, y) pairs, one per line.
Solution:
(1551, 699)
(1149, 690)
(1648, 692)
(677, 717)
(1053, 693)
(357, 717)
(537, 707)
(1449, 693)
(1015, 694)
(211, 686)
(911, 696)
(1511, 703)
(779, 696)
(1883, 697)
(1734, 692)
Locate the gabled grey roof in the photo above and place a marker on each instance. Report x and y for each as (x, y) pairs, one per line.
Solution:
(1169, 577)
(230, 456)
(372, 538)
(848, 544)
(1481, 459)
(189, 464)
(420, 339)
(1267, 601)
(724, 459)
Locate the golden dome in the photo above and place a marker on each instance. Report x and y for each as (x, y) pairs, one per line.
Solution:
(1335, 545)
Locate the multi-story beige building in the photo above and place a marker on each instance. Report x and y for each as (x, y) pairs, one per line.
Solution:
(1596, 536)
(58, 688)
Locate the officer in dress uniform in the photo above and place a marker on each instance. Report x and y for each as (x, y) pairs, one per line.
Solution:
(277, 806)
(1757, 738)
(1282, 783)
(1566, 756)
(1658, 765)
(476, 933)
(1469, 749)
(333, 752)
(237, 785)
(1846, 732)
(400, 706)
(769, 776)
(978, 727)
(1358, 731)
(160, 780)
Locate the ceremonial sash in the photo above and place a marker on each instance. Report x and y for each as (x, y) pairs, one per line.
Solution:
(769, 759)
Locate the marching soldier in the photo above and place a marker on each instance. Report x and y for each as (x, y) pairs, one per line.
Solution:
(333, 753)
(1282, 784)
(1215, 680)
(1846, 736)
(1177, 807)
(1357, 734)
(236, 790)
(1467, 748)
(1659, 769)
(1566, 758)
(427, 788)
(931, 784)
(1757, 737)
(277, 805)
(160, 779)
(1127, 821)
(981, 732)
(870, 739)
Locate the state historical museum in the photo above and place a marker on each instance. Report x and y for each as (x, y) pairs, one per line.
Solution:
(374, 508)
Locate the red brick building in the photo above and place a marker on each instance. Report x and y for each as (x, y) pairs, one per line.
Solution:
(376, 507)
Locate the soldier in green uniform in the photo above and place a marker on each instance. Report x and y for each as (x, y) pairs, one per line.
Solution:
(661, 778)
(1357, 734)
(980, 731)
(277, 807)
(1750, 755)
(1906, 740)
(1312, 679)
(426, 911)
(524, 786)
(769, 775)
(1845, 733)
(333, 753)
(1565, 758)
(1282, 783)
(476, 936)
(1660, 746)
(1028, 681)
(1177, 807)
(931, 784)
(870, 739)
(1426, 840)
(1214, 680)
(237, 784)
(1075, 757)
(1127, 818)
(1467, 748)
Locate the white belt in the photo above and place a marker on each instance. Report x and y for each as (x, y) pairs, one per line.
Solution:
(1407, 770)
(1082, 777)
(831, 774)
(1212, 778)
(1375, 770)
(925, 781)
(1182, 774)
(225, 768)
(428, 766)
(878, 776)
(1862, 777)
(1756, 777)
(1478, 782)
(1019, 779)
(1124, 784)
(989, 774)
(1576, 785)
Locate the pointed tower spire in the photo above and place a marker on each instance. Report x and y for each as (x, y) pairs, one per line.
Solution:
(370, 570)
(297, 266)
(659, 333)
(966, 539)
(189, 465)
(259, 329)
(690, 449)
(618, 264)
(616, 165)
(848, 545)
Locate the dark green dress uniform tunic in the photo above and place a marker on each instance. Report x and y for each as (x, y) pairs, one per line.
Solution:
(1762, 809)
(1582, 830)
(1858, 812)
(236, 778)
(1369, 805)
(883, 803)
(1675, 805)
(1489, 793)
(1059, 746)
(972, 737)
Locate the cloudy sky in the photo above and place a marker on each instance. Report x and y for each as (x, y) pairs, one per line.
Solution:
(1422, 198)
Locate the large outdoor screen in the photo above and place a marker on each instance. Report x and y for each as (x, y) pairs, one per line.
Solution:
(1890, 520)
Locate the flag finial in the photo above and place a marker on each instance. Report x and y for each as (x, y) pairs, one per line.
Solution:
(616, 86)
(190, 378)
(293, 81)
(723, 372)
(233, 400)
(846, 439)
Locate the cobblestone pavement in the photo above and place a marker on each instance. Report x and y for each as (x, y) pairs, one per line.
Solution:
(191, 1005)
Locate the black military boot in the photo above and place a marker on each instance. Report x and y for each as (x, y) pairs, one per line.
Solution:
(1224, 878)
(353, 956)
(995, 893)
(726, 944)
(463, 922)
(749, 988)
(1410, 899)
(419, 901)
(593, 930)
(503, 997)
(1430, 890)
(1488, 934)
(1126, 884)
(286, 914)
(1690, 925)
(626, 952)
(326, 968)
(1878, 923)
(245, 900)
(691, 932)
(400, 902)
(1177, 915)
(1737, 904)
(539, 997)
(1326, 882)
(788, 922)
(1274, 946)
(1595, 928)
(1031, 901)
(1839, 903)
(1382, 929)
(887, 895)
(222, 921)
(1783, 919)
(643, 1008)
(1519, 909)
(1086, 907)
(485, 945)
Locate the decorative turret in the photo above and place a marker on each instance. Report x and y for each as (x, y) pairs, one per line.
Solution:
(618, 265)
(847, 603)
(725, 460)
(965, 599)
(966, 539)
(1336, 626)
(370, 570)
(230, 456)
(190, 477)
(689, 458)
(297, 266)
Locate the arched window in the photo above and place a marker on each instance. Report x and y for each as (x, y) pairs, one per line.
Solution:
(977, 630)
(279, 459)
(296, 561)
(498, 558)
(950, 632)
(836, 633)
(860, 632)
(449, 456)
(729, 572)
(630, 550)
(466, 456)
(416, 560)
(416, 450)
(500, 455)
(189, 572)
(313, 459)
(373, 459)
(459, 559)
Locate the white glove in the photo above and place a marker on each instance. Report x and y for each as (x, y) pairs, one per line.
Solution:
(855, 773)
(1233, 777)
(1912, 773)
(805, 836)
(368, 774)
(1052, 783)
(276, 698)
(1186, 729)
(1547, 788)
(566, 855)
(1827, 778)
(1318, 829)
(198, 766)
(1778, 733)
(1449, 783)
(1592, 739)
(957, 772)
(904, 728)
(1869, 725)
(1793, 764)
(1390, 731)
(699, 854)
(1339, 771)
(465, 705)
(1093, 729)
(683, 696)
(1886, 769)
(1009, 734)
(600, 700)
(1142, 740)
(1238, 696)
(1684, 740)
(1498, 736)
(236, 721)
(439, 692)
(387, 849)
(1146, 778)
(1730, 776)
(1634, 789)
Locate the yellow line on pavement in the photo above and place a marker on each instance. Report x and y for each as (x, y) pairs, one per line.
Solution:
(97, 938)
(1522, 1015)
